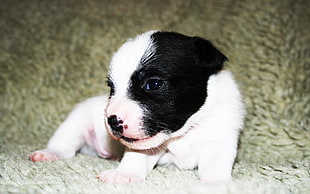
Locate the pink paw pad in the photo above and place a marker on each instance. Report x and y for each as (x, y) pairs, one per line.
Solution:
(114, 176)
(42, 156)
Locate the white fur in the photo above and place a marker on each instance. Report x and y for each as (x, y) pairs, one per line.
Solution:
(212, 133)
(208, 140)
(84, 129)
(127, 59)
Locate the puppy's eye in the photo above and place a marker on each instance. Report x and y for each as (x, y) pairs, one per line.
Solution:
(111, 85)
(153, 84)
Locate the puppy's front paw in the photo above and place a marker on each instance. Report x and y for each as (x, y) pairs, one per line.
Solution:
(115, 176)
(42, 155)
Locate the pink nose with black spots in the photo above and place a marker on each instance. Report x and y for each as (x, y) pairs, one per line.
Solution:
(116, 125)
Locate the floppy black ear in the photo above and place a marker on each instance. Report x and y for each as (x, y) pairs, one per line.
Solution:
(209, 55)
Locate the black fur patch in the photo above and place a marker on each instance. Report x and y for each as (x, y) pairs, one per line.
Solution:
(181, 66)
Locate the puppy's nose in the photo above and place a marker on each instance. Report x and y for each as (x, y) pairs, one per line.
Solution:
(115, 124)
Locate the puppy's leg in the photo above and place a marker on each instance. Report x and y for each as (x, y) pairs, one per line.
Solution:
(70, 136)
(67, 139)
(134, 167)
(216, 160)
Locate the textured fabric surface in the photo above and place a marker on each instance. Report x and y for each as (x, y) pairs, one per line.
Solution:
(54, 54)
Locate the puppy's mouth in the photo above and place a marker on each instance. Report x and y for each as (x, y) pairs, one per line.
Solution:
(134, 140)
(144, 143)
(129, 140)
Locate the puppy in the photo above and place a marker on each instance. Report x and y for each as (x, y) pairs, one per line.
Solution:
(170, 101)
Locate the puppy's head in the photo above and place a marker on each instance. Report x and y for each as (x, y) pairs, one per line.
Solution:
(157, 81)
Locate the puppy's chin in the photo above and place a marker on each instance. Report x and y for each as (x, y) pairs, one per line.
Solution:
(147, 143)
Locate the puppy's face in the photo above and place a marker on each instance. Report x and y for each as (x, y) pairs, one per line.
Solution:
(158, 80)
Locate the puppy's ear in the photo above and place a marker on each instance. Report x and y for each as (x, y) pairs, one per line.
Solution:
(209, 56)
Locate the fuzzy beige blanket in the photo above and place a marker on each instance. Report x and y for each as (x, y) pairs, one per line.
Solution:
(54, 54)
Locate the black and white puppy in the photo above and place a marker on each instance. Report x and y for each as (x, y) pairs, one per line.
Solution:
(170, 102)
